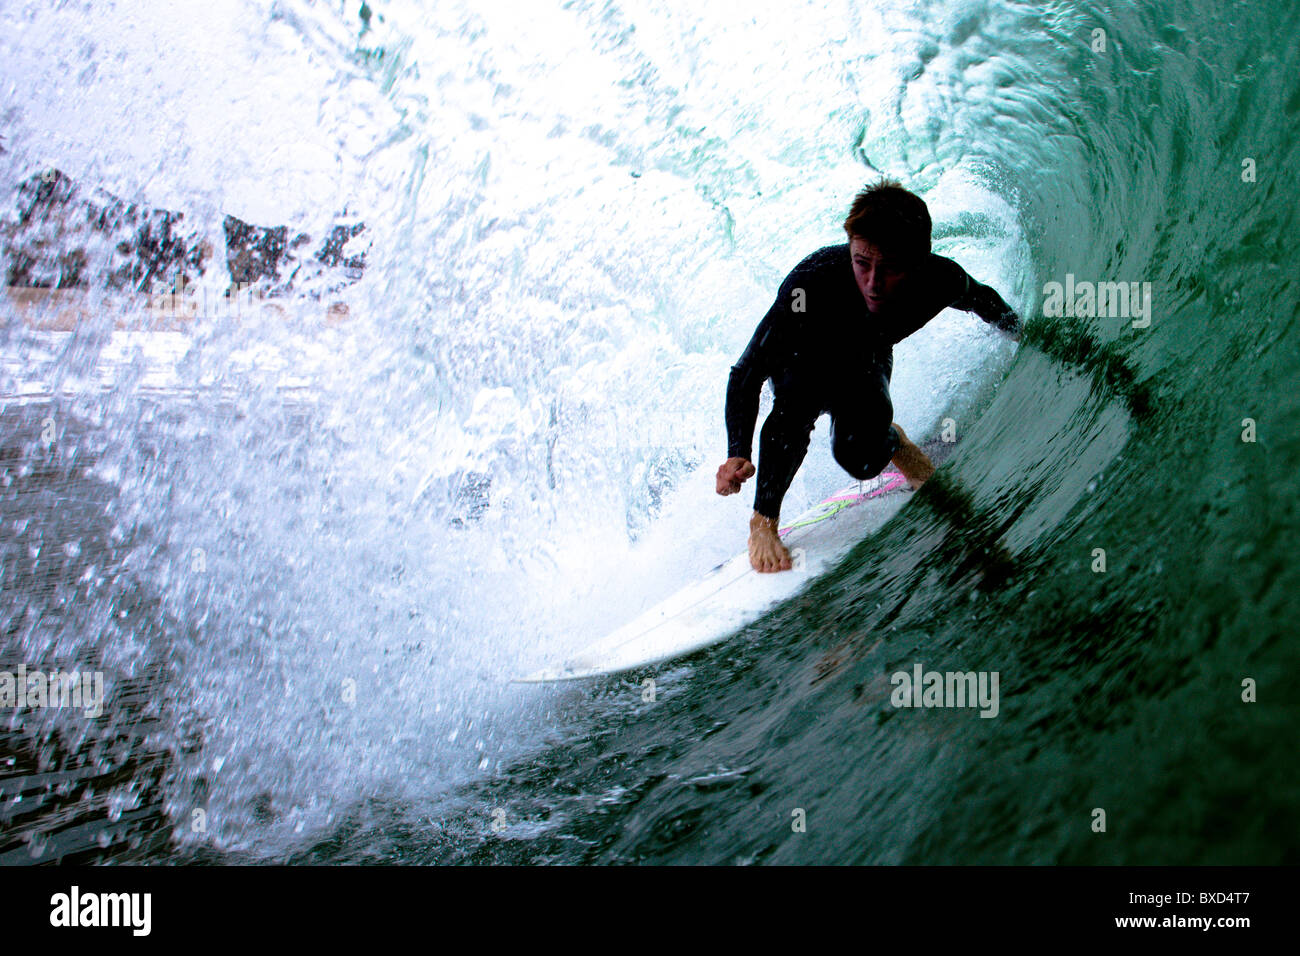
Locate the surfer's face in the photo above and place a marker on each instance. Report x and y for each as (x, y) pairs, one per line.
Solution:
(879, 278)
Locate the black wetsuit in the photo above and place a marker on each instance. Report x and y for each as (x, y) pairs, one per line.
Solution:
(835, 356)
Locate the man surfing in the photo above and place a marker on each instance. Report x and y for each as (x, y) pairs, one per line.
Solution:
(827, 345)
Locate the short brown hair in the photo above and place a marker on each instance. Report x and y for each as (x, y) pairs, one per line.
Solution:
(892, 219)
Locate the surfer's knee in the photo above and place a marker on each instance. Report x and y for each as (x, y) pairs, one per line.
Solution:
(864, 457)
(863, 470)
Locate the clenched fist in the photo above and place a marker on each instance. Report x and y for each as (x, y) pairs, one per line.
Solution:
(732, 473)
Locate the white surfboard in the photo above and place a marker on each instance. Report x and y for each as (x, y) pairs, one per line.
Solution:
(734, 594)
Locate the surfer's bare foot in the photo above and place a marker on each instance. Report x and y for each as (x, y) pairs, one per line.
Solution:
(766, 552)
(911, 461)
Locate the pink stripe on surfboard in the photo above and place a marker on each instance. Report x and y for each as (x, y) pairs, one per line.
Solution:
(874, 492)
(895, 481)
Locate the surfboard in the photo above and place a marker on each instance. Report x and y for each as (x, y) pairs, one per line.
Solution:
(733, 594)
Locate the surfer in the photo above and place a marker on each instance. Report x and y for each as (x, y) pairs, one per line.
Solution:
(827, 345)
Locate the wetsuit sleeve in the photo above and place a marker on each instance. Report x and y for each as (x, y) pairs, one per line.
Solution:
(754, 367)
(988, 305)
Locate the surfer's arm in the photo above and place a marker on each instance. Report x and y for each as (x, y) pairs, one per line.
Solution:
(746, 382)
(989, 306)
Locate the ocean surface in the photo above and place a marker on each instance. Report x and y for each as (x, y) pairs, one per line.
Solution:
(307, 556)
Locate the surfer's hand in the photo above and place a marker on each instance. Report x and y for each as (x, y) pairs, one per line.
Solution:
(732, 473)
